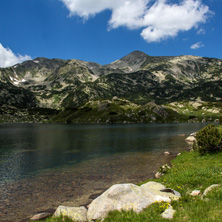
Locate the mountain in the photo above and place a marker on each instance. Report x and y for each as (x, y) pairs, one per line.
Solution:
(55, 85)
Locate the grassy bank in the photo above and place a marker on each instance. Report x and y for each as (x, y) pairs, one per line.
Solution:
(190, 171)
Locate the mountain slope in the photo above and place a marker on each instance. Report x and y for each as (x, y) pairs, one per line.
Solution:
(60, 84)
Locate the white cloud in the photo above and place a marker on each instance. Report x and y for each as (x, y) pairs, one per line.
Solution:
(159, 19)
(197, 45)
(201, 31)
(8, 58)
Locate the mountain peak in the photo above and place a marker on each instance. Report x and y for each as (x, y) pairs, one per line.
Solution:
(138, 53)
(130, 63)
(135, 55)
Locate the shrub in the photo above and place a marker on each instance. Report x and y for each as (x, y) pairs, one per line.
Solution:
(209, 140)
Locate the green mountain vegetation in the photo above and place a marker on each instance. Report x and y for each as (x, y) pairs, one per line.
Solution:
(60, 90)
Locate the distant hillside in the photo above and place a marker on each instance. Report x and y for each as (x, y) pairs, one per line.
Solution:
(68, 84)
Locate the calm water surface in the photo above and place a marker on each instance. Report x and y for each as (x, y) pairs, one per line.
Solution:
(65, 164)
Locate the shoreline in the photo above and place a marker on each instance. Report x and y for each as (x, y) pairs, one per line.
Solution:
(83, 197)
(78, 188)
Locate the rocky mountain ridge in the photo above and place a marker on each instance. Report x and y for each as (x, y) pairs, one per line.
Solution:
(140, 78)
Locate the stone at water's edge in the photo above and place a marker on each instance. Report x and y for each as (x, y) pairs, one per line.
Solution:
(158, 175)
(41, 216)
(128, 197)
(190, 139)
(75, 213)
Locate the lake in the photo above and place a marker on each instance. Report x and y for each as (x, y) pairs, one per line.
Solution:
(45, 165)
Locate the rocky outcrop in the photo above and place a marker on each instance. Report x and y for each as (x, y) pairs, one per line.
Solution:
(120, 197)
(128, 197)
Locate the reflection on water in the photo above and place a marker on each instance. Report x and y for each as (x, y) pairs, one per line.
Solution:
(56, 163)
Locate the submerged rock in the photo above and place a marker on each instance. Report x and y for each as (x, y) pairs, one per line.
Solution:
(41, 216)
(128, 197)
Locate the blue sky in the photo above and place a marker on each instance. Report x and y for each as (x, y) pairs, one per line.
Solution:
(103, 31)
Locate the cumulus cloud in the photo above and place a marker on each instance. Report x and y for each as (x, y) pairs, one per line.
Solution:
(197, 45)
(8, 58)
(158, 19)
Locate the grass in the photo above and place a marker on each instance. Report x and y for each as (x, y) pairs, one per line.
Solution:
(203, 110)
(190, 172)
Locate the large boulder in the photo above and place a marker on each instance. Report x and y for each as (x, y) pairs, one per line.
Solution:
(128, 197)
(75, 213)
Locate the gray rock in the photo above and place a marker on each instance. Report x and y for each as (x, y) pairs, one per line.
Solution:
(158, 175)
(128, 197)
(163, 169)
(166, 153)
(195, 193)
(169, 190)
(115, 98)
(168, 213)
(193, 134)
(207, 190)
(190, 139)
(75, 213)
(103, 106)
(41, 216)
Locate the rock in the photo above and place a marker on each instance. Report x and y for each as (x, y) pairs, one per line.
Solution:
(103, 106)
(181, 134)
(216, 121)
(128, 197)
(178, 154)
(190, 139)
(195, 193)
(166, 153)
(158, 175)
(75, 213)
(163, 169)
(41, 216)
(169, 190)
(115, 98)
(168, 213)
(193, 134)
(206, 191)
